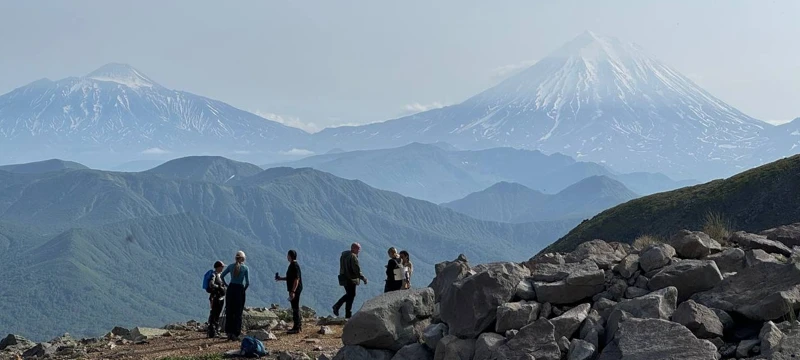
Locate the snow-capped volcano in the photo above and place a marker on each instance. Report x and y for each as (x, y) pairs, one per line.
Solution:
(597, 99)
(117, 110)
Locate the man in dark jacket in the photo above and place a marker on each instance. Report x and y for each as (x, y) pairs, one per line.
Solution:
(216, 289)
(294, 285)
(350, 276)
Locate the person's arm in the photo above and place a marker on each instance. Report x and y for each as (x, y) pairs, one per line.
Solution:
(390, 269)
(247, 278)
(225, 272)
(357, 269)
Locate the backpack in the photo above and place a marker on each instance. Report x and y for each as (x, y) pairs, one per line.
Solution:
(252, 347)
(206, 279)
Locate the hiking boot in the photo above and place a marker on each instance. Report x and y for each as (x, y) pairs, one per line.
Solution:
(293, 331)
(335, 311)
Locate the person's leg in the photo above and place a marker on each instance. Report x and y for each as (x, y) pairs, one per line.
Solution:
(216, 309)
(351, 295)
(230, 310)
(339, 303)
(298, 321)
(239, 312)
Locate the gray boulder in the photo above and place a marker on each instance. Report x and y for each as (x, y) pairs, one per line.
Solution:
(40, 350)
(479, 295)
(535, 341)
(568, 323)
(628, 266)
(433, 334)
(593, 328)
(730, 260)
(453, 348)
(391, 320)
(145, 333)
(659, 304)
(699, 319)
(16, 341)
(688, 276)
(788, 347)
(584, 281)
(525, 290)
(447, 273)
(694, 244)
(753, 241)
(763, 292)
(414, 352)
(656, 256)
(353, 352)
(758, 256)
(581, 350)
(745, 348)
(486, 346)
(547, 258)
(599, 251)
(555, 272)
(516, 315)
(657, 339)
(788, 235)
(770, 337)
(725, 319)
(634, 292)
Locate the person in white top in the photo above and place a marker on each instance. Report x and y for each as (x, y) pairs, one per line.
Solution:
(408, 269)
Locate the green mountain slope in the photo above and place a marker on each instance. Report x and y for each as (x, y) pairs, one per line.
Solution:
(265, 215)
(42, 166)
(757, 199)
(515, 203)
(213, 169)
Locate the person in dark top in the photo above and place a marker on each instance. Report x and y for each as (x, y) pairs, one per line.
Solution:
(216, 297)
(394, 272)
(294, 285)
(350, 276)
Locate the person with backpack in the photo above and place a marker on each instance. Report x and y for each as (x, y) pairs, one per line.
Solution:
(350, 276)
(294, 285)
(215, 287)
(394, 272)
(235, 295)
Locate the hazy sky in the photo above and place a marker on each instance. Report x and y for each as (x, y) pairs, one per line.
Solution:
(323, 63)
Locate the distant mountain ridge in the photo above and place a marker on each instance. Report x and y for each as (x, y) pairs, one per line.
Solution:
(116, 112)
(596, 99)
(515, 203)
(72, 233)
(213, 169)
(429, 172)
(42, 166)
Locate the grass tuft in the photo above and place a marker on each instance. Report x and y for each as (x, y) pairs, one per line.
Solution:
(644, 241)
(717, 226)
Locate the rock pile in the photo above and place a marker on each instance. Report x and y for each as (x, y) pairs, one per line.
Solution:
(689, 298)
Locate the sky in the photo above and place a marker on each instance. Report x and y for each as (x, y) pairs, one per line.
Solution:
(315, 64)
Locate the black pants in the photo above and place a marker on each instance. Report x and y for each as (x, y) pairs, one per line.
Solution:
(213, 316)
(392, 285)
(298, 321)
(233, 312)
(347, 300)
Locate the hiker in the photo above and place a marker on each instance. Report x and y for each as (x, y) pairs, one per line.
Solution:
(349, 276)
(294, 285)
(216, 298)
(235, 296)
(408, 269)
(394, 272)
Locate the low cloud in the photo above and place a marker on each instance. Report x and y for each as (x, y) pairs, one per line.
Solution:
(414, 108)
(297, 152)
(778, 122)
(292, 121)
(154, 151)
(511, 69)
(242, 152)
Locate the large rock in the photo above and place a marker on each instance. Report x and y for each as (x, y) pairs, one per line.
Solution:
(144, 333)
(788, 347)
(555, 272)
(513, 316)
(628, 266)
(753, 241)
(535, 341)
(656, 339)
(258, 318)
(414, 352)
(763, 292)
(700, 320)
(40, 350)
(447, 273)
(788, 235)
(659, 304)
(581, 350)
(694, 244)
(730, 260)
(391, 320)
(758, 256)
(602, 253)
(18, 342)
(585, 281)
(469, 307)
(656, 256)
(353, 352)
(453, 348)
(486, 346)
(433, 334)
(770, 337)
(525, 290)
(569, 322)
(688, 276)
(546, 258)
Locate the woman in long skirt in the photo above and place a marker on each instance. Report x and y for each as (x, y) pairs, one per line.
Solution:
(235, 296)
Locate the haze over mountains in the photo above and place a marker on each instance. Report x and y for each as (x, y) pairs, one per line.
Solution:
(72, 233)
